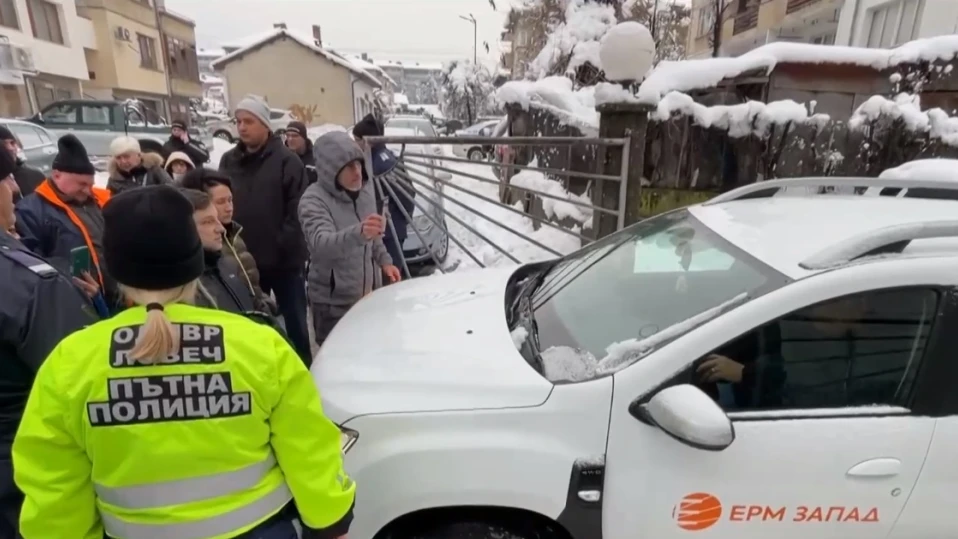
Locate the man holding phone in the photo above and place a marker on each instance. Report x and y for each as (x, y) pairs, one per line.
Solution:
(344, 233)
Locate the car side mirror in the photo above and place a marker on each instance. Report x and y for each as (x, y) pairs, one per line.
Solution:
(690, 416)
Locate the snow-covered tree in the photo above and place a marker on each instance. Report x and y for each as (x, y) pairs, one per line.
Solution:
(428, 91)
(669, 25)
(466, 91)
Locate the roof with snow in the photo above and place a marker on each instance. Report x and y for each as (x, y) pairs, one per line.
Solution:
(263, 40)
(210, 53)
(424, 66)
(689, 75)
(370, 68)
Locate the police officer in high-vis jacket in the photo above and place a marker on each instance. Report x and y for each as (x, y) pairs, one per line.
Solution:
(173, 421)
(39, 306)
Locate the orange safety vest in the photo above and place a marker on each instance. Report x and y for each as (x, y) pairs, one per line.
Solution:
(101, 196)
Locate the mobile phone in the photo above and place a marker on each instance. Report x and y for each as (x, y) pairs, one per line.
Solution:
(80, 261)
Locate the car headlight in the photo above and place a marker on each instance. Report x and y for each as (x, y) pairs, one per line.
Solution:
(347, 438)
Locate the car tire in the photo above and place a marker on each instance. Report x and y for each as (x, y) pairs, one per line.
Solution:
(475, 154)
(224, 135)
(474, 530)
(443, 253)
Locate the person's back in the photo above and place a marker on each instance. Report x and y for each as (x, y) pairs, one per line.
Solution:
(170, 420)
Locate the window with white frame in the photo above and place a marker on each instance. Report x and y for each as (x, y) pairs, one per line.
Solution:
(893, 23)
(706, 20)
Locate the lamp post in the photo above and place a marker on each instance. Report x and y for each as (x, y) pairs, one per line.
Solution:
(475, 36)
(627, 52)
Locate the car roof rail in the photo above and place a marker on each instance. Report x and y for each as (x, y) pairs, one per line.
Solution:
(769, 188)
(873, 241)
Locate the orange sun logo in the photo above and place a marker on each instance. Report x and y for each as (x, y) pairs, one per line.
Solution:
(697, 511)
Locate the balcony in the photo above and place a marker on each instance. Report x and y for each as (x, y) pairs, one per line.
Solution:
(745, 20)
(798, 5)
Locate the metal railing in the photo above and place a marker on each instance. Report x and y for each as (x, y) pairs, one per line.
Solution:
(427, 175)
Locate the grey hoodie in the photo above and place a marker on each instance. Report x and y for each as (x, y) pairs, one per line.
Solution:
(344, 265)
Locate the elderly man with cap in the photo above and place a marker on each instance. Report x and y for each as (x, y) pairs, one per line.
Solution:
(65, 213)
(27, 178)
(297, 139)
(268, 181)
(180, 141)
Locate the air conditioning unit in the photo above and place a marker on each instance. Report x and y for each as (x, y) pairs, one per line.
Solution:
(23, 59)
(16, 58)
(122, 34)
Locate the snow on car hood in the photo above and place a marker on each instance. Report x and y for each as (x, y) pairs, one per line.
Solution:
(430, 344)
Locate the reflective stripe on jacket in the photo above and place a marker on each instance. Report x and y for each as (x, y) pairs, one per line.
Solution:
(207, 444)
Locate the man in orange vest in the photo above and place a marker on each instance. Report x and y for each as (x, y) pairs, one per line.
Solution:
(64, 213)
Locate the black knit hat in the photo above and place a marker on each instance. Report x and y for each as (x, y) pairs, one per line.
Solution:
(72, 157)
(6, 134)
(298, 128)
(179, 122)
(368, 127)
(7, 163)
(150, 240)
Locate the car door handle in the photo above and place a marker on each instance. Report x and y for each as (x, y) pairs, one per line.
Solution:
(880, 467)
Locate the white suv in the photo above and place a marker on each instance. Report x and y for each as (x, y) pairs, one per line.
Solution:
(773, 363)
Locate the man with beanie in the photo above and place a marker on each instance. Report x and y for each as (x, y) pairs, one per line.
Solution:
(180, 141)
(39, 307)
(297, 140)
(65, 213)
(27, 178)
(268, 181)
(344, 233)
(387, 167)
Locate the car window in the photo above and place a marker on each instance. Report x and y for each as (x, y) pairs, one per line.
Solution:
(44, 135)
(61, 114)
(97, 114)
(485, 131)
(422, 128)
(642, 284)
(276, 114)
(858, 350)
(28, 136)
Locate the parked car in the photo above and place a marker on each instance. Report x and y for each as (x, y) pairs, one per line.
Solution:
(756, 366)
(475, 152)
(97, 122)
(226, 129)
(39, 145)
(417, 255)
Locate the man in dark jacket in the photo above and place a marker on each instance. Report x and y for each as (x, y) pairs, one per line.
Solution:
(180, 141)
(298, 141)
(268, 181)
(27, 178)
(222, 285)
(387, 167)
(65, 213)
(40, 307)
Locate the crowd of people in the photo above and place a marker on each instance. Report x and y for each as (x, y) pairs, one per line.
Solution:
(154, 332)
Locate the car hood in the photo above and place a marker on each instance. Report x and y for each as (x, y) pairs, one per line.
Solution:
(430, 344)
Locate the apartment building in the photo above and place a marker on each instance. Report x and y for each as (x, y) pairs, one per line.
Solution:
(145, 52)
(517, 43)
(888, 23)
(42, 54)
(748, 24)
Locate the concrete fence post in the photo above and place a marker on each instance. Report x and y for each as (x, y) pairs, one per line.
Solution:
(620, 120)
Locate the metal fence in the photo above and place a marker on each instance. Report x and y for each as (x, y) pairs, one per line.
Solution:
(428, 168)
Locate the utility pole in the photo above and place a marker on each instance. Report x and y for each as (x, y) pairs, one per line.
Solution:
(166, 60)
(717, 29)
(655, 16)
(475, 37)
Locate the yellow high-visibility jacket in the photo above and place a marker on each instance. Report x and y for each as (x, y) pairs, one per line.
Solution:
(205, 444)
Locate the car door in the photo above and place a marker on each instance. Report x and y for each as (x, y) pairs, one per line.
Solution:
(838, 454)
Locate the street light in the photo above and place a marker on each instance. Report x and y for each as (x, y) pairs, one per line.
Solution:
(475, 36)
(627, 52)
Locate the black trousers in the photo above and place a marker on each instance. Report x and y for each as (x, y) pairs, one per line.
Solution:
(289, 287)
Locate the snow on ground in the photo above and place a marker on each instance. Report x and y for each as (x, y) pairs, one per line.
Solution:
(515, 245)
(688, 75)
(924, 169)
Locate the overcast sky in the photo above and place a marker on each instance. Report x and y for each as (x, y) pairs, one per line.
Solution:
(410, 30)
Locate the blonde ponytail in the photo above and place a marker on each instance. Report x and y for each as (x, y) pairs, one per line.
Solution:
(157, 338)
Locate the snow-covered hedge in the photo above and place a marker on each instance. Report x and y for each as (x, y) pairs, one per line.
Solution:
(555, 95)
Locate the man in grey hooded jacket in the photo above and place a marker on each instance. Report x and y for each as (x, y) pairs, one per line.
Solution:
(344, 232)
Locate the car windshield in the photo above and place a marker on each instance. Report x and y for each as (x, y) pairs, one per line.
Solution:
(422, 128)
(608, 305)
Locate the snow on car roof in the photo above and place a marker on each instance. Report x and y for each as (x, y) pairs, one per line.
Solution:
(924, 169)
(685, 75)
(782, 231)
